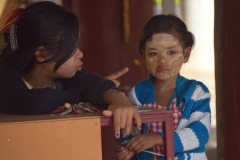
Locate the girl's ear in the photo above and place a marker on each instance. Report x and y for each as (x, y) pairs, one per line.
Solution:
(144, 57)
(143, 54)
(186, 54)
(40, 54)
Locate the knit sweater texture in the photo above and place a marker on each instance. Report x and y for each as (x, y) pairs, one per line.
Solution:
(192, 133)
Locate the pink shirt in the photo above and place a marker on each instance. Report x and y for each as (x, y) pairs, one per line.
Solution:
(157, 127)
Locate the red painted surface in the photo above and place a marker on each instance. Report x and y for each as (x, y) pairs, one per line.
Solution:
(227, 56)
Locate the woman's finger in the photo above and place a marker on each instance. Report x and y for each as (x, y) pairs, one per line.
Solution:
(107, 113)
(137, 118)
(128, 125)
(116, 121)
(117, 83)
(123, 118)
(117, 74)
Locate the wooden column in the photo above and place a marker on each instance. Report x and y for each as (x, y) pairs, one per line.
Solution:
(110, 34)
(168, 7)
(227, 56)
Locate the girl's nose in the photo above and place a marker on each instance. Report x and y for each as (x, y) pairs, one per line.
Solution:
(161, 60)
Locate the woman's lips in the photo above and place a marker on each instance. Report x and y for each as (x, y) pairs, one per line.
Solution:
(79, 68)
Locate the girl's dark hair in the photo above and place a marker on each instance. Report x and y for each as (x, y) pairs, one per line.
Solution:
(41, 24)
(166, 24)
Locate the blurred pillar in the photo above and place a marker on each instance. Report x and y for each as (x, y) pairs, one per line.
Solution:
(104, 27)
(227, 74)
(168, 6)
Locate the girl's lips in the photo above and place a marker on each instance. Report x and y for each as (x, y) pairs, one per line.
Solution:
(163, 69)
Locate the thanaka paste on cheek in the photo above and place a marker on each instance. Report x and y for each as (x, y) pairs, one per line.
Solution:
(68, 63)
(163, 65)
(174, 65)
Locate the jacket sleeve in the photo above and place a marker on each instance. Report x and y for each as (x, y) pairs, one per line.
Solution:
(16, 98)
(132, 98)
(90, 86)
(193, 131)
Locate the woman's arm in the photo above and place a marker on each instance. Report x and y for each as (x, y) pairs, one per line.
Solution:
(90, 86)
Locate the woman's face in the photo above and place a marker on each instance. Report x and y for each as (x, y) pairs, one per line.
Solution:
(164, 56)
(71, 66)
(67, 69)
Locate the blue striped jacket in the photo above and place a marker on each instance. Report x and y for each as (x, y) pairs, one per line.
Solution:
(192, 133)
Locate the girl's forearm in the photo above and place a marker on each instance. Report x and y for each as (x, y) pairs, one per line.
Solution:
(159, 139)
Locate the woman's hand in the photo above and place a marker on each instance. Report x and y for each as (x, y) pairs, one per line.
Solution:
(144, 141)
(123, 153)
(122, 110)
(113, 77)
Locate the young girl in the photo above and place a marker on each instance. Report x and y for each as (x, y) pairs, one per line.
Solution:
(41, 67)
(165, 45)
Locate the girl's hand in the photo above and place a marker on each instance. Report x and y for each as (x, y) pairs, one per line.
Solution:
(122, 110)
(123, 153)
(144, 141)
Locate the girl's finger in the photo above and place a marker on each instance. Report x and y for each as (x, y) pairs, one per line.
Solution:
(132, 145)
(119, 148)
(138, 148)
(121, 154)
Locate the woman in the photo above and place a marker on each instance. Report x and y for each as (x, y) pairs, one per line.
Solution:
(41, 67)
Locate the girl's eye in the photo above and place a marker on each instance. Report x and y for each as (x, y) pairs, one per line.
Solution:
(152, 53)
(171, 52)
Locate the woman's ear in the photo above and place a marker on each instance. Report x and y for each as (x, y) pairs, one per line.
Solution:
(40, 54)
(186, 54)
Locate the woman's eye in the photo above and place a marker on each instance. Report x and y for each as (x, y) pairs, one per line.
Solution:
(171, 52)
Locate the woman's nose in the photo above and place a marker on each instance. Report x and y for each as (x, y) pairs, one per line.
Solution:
(79, 54)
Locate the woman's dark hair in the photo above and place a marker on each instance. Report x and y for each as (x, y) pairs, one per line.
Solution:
(166, 24)
(41, 24)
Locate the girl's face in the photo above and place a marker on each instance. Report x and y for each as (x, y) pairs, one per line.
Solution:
(71, 66)
(164, 56)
